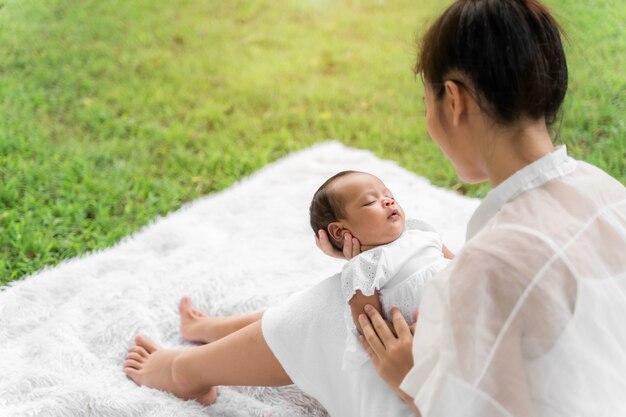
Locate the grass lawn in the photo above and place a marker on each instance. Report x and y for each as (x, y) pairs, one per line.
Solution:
(115, 112)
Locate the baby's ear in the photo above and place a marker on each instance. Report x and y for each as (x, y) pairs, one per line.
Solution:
(335, 231)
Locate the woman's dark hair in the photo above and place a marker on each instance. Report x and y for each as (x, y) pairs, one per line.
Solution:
(510, 51)
(326, 207)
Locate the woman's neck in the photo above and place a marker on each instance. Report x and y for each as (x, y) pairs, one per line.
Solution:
(512, 148)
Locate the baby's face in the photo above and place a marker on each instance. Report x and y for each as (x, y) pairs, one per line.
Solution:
(371, 213)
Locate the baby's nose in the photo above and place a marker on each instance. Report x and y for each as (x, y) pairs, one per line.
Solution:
(388, 202)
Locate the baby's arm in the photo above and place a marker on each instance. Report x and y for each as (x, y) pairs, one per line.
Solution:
(357, 304)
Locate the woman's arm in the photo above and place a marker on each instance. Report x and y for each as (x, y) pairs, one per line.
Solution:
(391, 354)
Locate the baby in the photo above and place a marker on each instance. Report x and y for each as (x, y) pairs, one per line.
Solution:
(398, 256)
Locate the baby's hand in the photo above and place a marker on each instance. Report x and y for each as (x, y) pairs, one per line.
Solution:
(351, 245)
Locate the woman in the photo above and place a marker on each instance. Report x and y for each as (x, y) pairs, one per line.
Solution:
(531, 303)
(528, 320)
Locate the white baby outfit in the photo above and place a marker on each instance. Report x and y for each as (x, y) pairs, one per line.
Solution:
(398, 270)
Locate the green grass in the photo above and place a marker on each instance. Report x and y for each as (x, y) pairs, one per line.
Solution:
(115, 112)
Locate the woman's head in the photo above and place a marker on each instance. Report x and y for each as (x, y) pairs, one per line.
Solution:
(507, 53)
(359, 203)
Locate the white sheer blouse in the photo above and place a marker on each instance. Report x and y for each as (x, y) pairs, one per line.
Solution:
(529, 319)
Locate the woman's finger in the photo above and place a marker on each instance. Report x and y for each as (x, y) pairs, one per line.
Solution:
(371, 337)
(382, 330)
(347, 246)
(351, 246)
(356, 247)
(400, 324)
(368, 349)
(323, 242)
(416, 314)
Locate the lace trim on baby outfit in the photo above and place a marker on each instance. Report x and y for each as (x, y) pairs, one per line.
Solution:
(367, 273)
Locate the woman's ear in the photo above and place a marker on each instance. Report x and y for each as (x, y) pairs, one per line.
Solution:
(455, 101)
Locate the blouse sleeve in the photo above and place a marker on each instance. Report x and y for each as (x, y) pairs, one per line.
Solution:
(480, 324)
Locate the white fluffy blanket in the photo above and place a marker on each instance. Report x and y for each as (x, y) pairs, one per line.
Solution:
(64, 331)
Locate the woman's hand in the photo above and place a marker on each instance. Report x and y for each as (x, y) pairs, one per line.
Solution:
(391, 355)
(351, 245)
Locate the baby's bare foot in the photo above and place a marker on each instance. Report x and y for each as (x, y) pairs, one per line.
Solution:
(196, 326)
(149, 365)
(191, 323)
(208, 398)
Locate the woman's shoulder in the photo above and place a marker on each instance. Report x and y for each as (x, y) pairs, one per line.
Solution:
(557, 210)
(592, 173)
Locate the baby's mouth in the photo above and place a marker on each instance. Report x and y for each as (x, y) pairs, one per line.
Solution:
(394, 214)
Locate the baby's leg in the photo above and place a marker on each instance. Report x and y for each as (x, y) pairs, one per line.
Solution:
(196, 326)
(242, 358)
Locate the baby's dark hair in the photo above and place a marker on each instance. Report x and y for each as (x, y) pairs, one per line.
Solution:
(326, 207)
(510, 51)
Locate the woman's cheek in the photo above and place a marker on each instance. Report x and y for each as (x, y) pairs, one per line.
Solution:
(435, 132)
